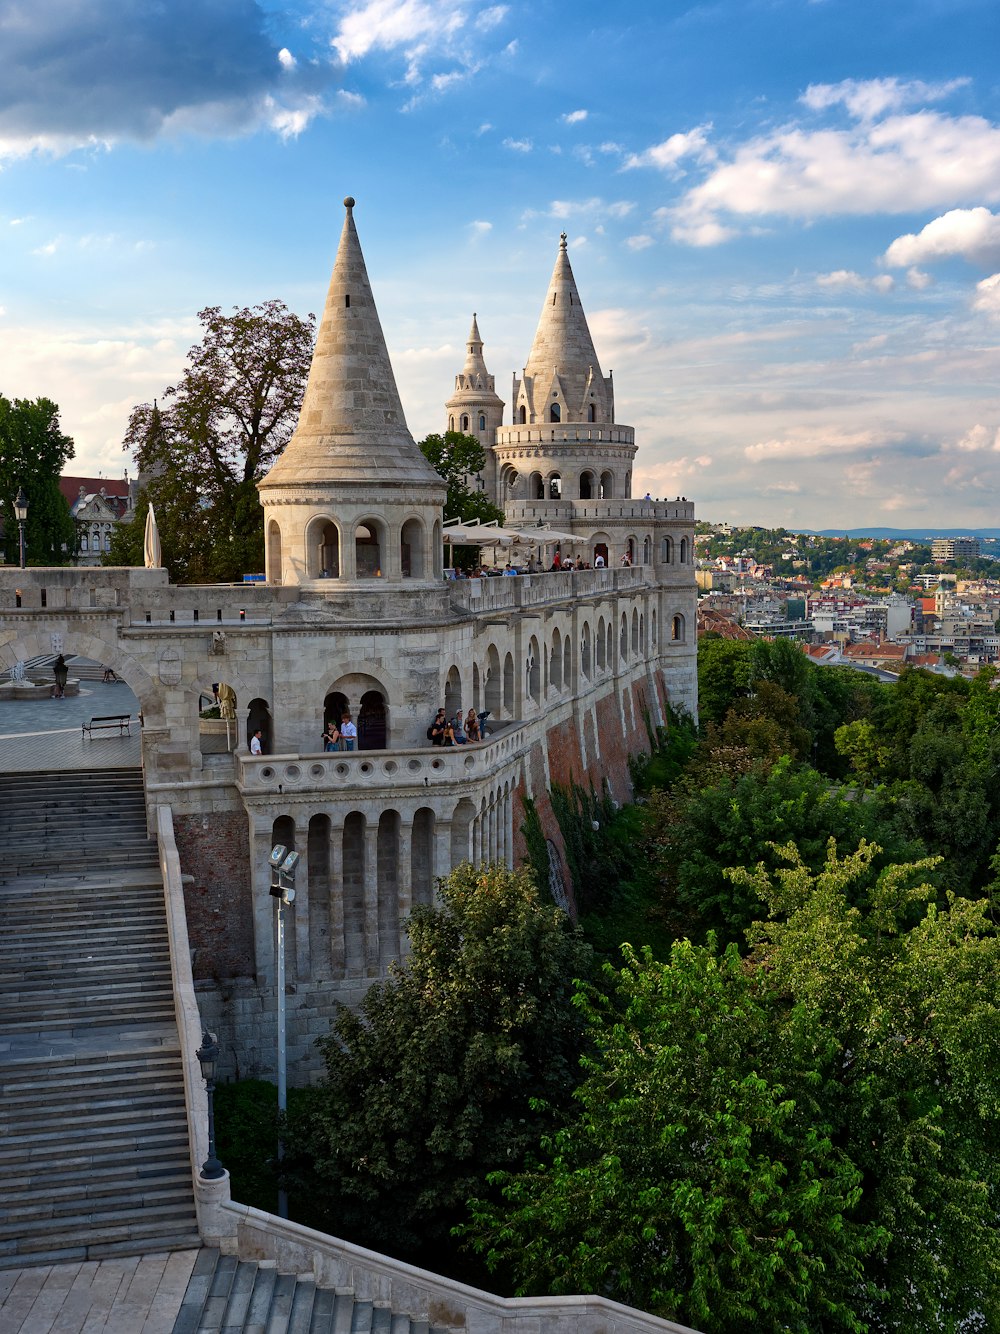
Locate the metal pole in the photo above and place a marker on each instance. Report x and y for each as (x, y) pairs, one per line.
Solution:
(20, 526)
(282, 1059)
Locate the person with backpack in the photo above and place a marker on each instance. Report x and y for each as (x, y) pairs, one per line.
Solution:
(436, 731)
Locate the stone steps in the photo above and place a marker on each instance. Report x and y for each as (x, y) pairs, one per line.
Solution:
(94, 1155)
(232, 1296)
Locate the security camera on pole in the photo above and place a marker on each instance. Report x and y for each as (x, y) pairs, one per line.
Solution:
(283, 864)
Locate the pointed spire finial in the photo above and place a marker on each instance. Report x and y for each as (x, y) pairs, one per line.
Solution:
(563, 238)
(349, 203)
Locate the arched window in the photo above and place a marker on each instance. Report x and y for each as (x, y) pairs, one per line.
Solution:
(411, 549)
(602, 646)
(508, 685)
(482, 421)
(555, 486)
(533, 670)
(623, 638)
(437, 550)
(536, 487)
(367, 551)
(652, 626)
(646, 548)
(324, 550)
(607, 491)
(591, 413)
(684, 551)
(585, 651)
(567, 662)
(373, 731)
(494, 682)
(677, 629)
(453, 693)
(586, 486)
(273, 553)
(630, 550)
(555, 661)
(635, 631)
(555, 412)
(667, 551)
(465, 421)
(522, 415)
(451, 423)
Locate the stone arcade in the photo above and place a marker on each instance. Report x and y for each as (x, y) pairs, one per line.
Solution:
(355, 614)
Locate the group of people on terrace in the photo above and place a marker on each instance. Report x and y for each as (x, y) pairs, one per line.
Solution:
(342, 737)
(445, 731)
(559, 565)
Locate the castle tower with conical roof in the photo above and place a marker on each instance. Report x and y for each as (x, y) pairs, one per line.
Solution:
(475, 408)
(564, 444)
(351, 498)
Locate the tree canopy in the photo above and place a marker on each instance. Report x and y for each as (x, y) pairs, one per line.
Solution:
(34, 449)
(458, 459)
(201, 454)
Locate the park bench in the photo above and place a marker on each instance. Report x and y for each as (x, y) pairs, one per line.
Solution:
(107, 723)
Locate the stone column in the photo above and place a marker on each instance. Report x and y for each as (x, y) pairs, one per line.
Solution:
(508, 833)
(442, 851)
(371, 897)
(337, 952)
(405, 875)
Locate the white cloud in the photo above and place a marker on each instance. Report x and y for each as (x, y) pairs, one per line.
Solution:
(385, 24)
(285, 59)
(987, 298)
(918, 279)
(492, 17)
(352, 101)
(573, 117)
(868, 98)
(640, 242)
(668, 155)
(972, 233)
(518, 145)
(811, 445)
(846, 280)
(480, 228)
(979, 439)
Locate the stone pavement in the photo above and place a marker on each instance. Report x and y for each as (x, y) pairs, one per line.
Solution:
(46, 733)
(121, 1296)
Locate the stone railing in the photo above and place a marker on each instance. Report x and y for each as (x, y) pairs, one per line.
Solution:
(420, 1294)
(430, 766)
(503, 593)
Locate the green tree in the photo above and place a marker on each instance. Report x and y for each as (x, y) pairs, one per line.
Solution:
(805, 1140)
(201, 455)
(458, 459)
(434, 1081)
(33, 452)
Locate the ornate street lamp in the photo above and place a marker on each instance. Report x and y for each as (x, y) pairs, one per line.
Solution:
(21, 514)
(208, 1056)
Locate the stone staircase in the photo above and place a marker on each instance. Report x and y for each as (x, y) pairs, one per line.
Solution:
(230, 1295)
(94, 1157)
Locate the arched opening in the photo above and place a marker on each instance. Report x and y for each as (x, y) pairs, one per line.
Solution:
(494, 683)
(461, 829)
(411, 549)
(259, 717)
(652, 626)
(323, 550)
(585, 651)
(567, 666)
(318, 895)
(533, 670)
(623, 638)
(602, 648)
(477, 694)
(647, 547)
(607, 486)
(387, 873)
(218, 729)
(586, 486)
(642, 634)
(536, 487)
(509, 482)
(600, 555)
(353, 891)
(453, 693)
(677, 629)
(555, 486)
(334, 707)
(508, 685)
(630, 550)
(555, 412)
(373, 730)
(667, 551)
(273, 552)
(482, 421)
(684, 551)
(635, 632)
(437, 550)
(465, 422)
(367, 550)
(555, 666)
(611, 644)
(422, 858)
(451, 423)
(522, 415)
(591, 412)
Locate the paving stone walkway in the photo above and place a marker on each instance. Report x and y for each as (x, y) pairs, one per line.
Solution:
(137, 1295)
(46, 733)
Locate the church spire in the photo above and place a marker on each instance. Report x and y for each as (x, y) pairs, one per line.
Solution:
(562, 366)
(351, 426)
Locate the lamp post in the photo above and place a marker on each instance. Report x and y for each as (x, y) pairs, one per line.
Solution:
(208, 1056)
(21, 514)
(283, 864)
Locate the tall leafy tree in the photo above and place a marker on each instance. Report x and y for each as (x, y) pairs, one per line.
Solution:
(34, 449)
(434, 1080)
(201, 454)
(458, 458)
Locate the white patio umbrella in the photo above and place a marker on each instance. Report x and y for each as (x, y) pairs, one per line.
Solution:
(151, 543)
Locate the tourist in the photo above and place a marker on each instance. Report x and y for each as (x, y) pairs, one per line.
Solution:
(331, 737)
(458, 735)
(60, 671)
(348, 732)
(598, 562)
(109, 676)
(435, 733)
(255, 742)
(472, 725)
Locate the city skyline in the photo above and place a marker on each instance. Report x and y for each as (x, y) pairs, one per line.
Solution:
(783, 220)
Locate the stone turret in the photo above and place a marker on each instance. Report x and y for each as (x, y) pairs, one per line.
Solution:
(563, 444)
(475, 408)
(351, 497)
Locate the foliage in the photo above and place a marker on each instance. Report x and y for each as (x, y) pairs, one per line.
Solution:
(599, 838)
(222, 427)
(673, 748)
(696, 833)
(439, 1077)
(536, 844)
(246, 1138)
(458, 458)
(803, 1143)
(33, 452)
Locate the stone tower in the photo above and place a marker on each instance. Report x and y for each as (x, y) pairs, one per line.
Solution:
(563, 444)
(475, 408)
(351, 498)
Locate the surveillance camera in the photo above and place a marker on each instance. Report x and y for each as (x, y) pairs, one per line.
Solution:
(277, 855)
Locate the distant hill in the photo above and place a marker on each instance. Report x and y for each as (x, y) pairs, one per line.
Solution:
(905, 534)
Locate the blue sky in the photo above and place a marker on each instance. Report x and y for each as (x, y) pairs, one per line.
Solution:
(784, 218)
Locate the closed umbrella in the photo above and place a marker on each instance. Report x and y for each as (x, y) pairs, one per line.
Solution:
(151, 543)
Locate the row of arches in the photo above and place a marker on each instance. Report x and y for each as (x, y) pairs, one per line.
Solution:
(555, 413)
(591, 485)
(465, 423)
(368, 548)
(361, 875)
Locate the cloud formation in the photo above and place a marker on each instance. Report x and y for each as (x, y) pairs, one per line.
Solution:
(73, 76)
(987, 298)
(971, 233)
(846, 280)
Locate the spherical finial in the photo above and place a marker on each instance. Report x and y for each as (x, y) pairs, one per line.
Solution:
(563, 238)
(349, 202)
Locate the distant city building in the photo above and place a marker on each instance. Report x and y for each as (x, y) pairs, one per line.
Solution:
(96, 504)
(955, 548)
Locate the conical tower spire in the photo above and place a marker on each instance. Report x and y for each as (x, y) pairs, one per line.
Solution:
(351, 426)
(562, 365)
